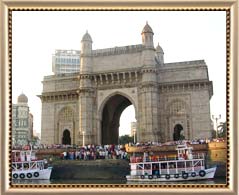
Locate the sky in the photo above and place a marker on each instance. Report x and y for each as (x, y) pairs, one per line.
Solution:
(183, 35)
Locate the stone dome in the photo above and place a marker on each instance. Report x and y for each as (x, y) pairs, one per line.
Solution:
(159, 49)
(147, 29)
(87, 37)
(22, 98)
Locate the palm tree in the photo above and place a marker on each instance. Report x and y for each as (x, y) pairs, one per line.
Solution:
(222, 130)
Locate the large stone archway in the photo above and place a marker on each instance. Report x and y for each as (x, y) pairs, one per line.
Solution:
(110, 79)
(111, 113)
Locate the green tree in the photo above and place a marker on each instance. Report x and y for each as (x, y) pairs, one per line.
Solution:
(35, 139)
(181, 137)
(213, 133)
(124, 139)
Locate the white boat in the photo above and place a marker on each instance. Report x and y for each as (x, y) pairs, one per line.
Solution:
(186, 166)
(25, 165)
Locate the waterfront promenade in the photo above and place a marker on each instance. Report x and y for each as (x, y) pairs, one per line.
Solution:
(89, 152)
(215, 151)
(115, 165)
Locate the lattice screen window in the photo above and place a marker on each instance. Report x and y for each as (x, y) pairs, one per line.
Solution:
(177, 107)
(66, 114)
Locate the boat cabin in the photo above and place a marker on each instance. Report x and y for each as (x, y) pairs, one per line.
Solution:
(23, 155)
(184, 162)
(184, 152)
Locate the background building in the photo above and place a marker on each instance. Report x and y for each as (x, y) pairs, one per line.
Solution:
(66, 61)
(30, 126)
(22, 122)
(171, 100)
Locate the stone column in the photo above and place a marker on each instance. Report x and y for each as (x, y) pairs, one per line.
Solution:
(148, 93)
(148, 113)
(86, 93)
(86, 112)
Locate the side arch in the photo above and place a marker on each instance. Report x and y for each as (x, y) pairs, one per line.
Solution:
(65, 121)
(66, 137)
(178, 115)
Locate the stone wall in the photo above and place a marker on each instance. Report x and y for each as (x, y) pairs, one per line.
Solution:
(187, 72)
(62, 82)
(48, 123)
(116, 62)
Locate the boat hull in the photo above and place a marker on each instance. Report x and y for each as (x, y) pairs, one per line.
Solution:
(209, 174)
(38, 174)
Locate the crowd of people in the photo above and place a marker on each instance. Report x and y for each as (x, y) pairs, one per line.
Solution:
(195, 141)
(92, 152)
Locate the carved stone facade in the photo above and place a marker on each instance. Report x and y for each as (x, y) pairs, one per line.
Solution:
(171, 100)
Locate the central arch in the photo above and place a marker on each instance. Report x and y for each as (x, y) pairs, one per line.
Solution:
(111, 113)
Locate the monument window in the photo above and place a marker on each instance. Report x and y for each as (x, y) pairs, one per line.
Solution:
(177, 107)
(66, 114)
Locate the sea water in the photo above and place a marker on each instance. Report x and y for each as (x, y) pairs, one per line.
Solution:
(217, 180)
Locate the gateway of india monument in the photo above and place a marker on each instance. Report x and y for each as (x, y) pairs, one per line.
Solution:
(171, 100)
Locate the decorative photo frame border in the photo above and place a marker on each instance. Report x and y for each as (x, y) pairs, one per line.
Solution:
(231, 7)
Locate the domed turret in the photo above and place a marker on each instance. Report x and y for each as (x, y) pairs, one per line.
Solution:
(87, 37)
(147, 36)
(159, 54)
(86, 54)
(22, 99)
(159, 49)
(86, 44)
(147, 29)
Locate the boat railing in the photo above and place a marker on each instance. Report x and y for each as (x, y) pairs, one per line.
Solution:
(198, 156)
(157, 159)
(27, 165)
(150, 159)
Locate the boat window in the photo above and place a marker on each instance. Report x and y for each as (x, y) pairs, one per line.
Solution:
(140, 166)
(19, 165)
(147, 166)
(155, 166)
(189, 163)
(38, 164)
(26, 165)
(180, 164)
(34, 166)
(163, 165)
(172, 165)
(13, 166)
(200, 163)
